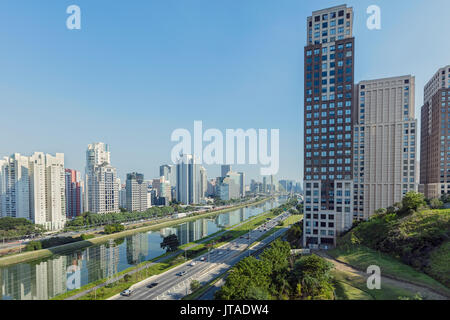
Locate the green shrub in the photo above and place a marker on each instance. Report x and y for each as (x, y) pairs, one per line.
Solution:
(33, 246)
(114, 228)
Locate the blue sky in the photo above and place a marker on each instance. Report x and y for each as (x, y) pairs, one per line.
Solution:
(140, 69)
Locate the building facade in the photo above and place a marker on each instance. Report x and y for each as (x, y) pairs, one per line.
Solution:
(102, 184)
(203, 184)
(15, 187)
(34, 188)
(328, 121)
(435, 136)
(385, 144)
(229, 188)
(136, 193)
(242, 184)
(188, 180)
(74, 193)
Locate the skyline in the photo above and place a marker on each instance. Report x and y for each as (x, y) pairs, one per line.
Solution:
(258, 58)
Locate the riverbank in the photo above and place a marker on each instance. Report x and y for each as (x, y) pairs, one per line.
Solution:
(156, 266)
(46, 253)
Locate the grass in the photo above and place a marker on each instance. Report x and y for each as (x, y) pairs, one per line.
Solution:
(362, 257)
(198, 293)
(46, 253)
(292, 220)
(439, 263)
(349, 286)
(418, 239)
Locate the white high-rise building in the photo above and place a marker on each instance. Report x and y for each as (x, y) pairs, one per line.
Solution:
(385, 140)
(102, 184)
(34, 188)
(203, 183)
(15, 187)
(136, 193)
(188, 180)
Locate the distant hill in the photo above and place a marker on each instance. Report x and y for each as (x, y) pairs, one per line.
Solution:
(420, 239)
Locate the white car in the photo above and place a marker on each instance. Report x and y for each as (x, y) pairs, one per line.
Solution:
(193, 264)
(202, 259)
(126, 293)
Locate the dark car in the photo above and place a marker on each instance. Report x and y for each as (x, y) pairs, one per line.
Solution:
(152, 285)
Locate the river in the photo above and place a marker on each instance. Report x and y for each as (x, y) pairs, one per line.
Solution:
(46, 278)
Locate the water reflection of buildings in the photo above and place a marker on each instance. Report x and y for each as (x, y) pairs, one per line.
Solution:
(189, 231)
(47, 279)
(102, 261)
(231, 218)
(137, 248)
(40, 281)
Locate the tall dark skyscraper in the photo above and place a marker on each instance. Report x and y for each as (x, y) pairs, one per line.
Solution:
(328, 119)
(435, 137)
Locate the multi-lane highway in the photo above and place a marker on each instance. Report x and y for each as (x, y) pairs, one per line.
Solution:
(175, 283)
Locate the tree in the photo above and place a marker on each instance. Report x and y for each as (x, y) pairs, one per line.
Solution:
(436, 204)
(249, 279)
(445, 198)
(170, 243)
(413, 201)
(33, 246)
(295, 234)
(127, 277)
(277, 256)
(381, 211)
(18, 227)
(195, 285)
(257, 294)
(313, 273)
(114, 228)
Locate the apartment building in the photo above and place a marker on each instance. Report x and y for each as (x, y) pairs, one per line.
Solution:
(188, 180)
(435, 136)
(385, 144)
(74, 193)
(136, 192)
(34, 188)
(328, 121)
(102, 184)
